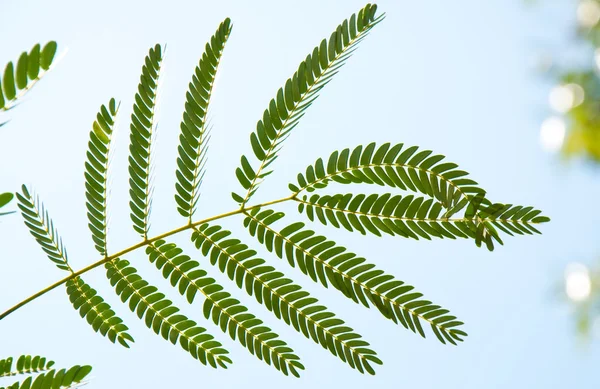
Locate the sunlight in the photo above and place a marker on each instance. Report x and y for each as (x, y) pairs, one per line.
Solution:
(588, 13)
(552, 133)
(578, 284)
(561, 98)
(564, 97)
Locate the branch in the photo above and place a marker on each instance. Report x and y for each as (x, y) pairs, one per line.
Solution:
(135, 247)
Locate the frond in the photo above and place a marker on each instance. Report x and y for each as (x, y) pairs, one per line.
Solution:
(414, 217)
(96, 168)
(326, 262)
(406, 216)
(162, 316)
(286, 300)
(42, 228)
(225, 311)
(63, 379)
(299, 92)
(408, 169)
(26, 364)
(194, 134)
(97, 312)
(6, 198)
(142, 128)
(31, 67)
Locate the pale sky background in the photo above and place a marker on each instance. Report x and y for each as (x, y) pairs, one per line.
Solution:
(455, 77)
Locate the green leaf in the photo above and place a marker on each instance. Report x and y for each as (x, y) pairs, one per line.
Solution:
(54, 379)
(97, 312)
(42, 228)
(96, 174)
(6, 198)
(21, 75)
(298, 93)
(8, 82)
(26, 364)
(232, 317)
(163, 317)
(286, 300)
(17, 81)
(142, 128)
(47, 55)
(193, 137)
(329, 264)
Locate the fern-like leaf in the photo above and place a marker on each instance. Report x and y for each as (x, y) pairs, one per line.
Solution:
(142, 128)
(194, 134)
(326, 262)
(281, 296)
(299, 92)
(42, 228)
(30, 68)
(225, 311)
(387, 165)
(414, 217)
(26, 364)
(97, 312)
(96, 168)
(162, 316)
(54, 379)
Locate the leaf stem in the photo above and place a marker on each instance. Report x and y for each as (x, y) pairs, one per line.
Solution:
(135, 247)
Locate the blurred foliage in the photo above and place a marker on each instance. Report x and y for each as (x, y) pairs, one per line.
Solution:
(581, 289)
(583, 137)
(583, 120)
(581, 284)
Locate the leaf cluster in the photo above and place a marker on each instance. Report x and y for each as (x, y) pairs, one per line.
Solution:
(442, 202)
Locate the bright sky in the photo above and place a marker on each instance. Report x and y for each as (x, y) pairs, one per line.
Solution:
(455, 77)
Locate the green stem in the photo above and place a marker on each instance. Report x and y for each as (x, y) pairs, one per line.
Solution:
(135, 247)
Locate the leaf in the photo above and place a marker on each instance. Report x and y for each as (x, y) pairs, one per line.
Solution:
(97, 312)
(396, 167)
(96, 171)
(8, 82)
(142, 128)
(163, 317)
(408, 216)
(40, 225)
(286, 300)
(231, 316)
(193, 139)
(30, 68)
(54, 379)
(47, 55)
(326, 262)
(6, 198)
(26, 364)
(298, 93)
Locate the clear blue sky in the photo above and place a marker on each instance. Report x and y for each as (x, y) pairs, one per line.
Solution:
(454, 77)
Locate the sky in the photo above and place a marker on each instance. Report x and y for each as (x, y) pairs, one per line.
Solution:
(453, 77)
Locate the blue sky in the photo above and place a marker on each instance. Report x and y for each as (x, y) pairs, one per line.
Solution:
(454, 77)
